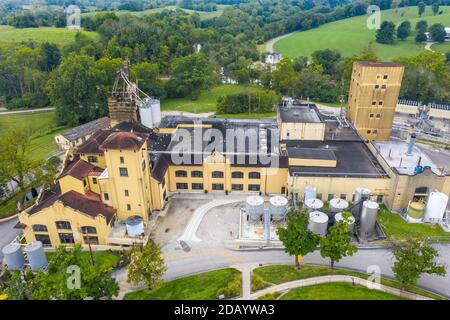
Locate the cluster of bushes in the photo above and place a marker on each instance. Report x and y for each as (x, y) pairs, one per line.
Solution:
(258, 283)
(254, 102)
(233, 288)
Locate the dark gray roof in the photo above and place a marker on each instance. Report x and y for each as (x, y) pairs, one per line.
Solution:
(311, 153)
(302, 113)
(87, 128)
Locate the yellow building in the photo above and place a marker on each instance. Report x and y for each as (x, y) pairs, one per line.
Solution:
(372, 100)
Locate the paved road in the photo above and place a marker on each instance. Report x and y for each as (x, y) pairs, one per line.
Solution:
(270, 43)
(7, 233)
(25, 111)
(181, 263)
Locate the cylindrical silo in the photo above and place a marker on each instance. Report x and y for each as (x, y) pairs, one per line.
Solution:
(14, 259)
(361, 194)
(336, 205)
(313, 204)
(338, 217)
(318, 223)
(135, 226)
(36, 256)
(255, 207)
(435, 208)
(278, 207)
(368, 219)
(310, 193)
(156, 112)
(145, 113)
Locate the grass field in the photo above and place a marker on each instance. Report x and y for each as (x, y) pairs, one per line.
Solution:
(396, 228)
(337, 291)
(350, 35)
(277, 274)
(207, 100)
(203, 14)
(102, 259)
(203, 286)
(59, 36)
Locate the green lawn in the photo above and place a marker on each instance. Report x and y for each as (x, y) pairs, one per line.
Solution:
(337, 291)
(350, 35)
(203, 14)
(441, 47)
(248, 115)
(59, 36)
(277, 274)
(396, 228)
(207, 100)
(203, 286)
(103, 259)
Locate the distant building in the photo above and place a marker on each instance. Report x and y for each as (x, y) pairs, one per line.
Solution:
(374, 90)
(447, 33)
(78, 135)
(273, 58)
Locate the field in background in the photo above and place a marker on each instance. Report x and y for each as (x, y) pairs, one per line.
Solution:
(350, 35)
(59, 36)
(203, 14)
(207, 100)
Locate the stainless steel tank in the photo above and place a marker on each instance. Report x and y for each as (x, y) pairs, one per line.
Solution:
(310, 193)
(318, 223)
(278, 207)
(36, 256)
(368, 219)
(313, 204)
(336, 205)
(14, 259)
(361, 194)
(338, 217)
(255, 207)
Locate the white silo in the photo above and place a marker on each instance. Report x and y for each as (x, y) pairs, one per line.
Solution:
(156, 112)
(361, 194)
(318, 223)
(337, 205)
(255, 207)
(36, 256)
(435, 208)
(278, 207)
(338, 217)
(313, 204)
(310, 193)
(368, 219)
(14, 259)
(135, 226)
(145, 113)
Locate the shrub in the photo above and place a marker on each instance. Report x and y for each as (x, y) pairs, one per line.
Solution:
(258, 283)
(233, 289)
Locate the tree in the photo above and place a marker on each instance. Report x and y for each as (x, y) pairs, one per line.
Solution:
(146, 265)
(435, 7)
(404, 30)
(51, 56)
(296, 237)
(386, 33)
(191, 74)
(437, 32)
(284, 77)
(414, 257)
(336, 244)
(421, 8)
(421, 37)
(146, 75)
(73, 90)
(327, 58)
(421, 26)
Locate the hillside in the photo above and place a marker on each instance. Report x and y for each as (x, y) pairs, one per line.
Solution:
(59, 36)
(350, 35)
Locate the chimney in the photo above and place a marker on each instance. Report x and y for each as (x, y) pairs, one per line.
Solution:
(412, 140)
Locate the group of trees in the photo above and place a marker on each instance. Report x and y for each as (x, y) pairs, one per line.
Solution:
(413, 257)
(253, 102)
(387, 33)
(199, 5)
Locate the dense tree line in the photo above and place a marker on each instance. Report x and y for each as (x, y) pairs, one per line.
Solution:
(254, 102)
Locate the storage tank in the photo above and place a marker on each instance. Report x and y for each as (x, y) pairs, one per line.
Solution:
(318, 223)
(135, 226)
(145, 113)
(310, 193)
(36, 256)
(368, 219)
(13, 256)
(415, 211)
(361, 194)
(338, 217)
(435, 208)
(313, 204)
(156, 112)
(255, 207)
(336, 205)
(278, 207)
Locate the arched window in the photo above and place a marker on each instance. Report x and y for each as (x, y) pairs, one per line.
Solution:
(254, 175)
(217, 174)
(39, 228)
(88, 230)
(63, 225)
(196, 174)
(181, 173)
(237, 175)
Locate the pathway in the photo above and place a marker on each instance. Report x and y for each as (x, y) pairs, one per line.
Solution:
(330, 279)
(271, 42)
(26, 111)
(197, 217)
(428, 46)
